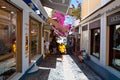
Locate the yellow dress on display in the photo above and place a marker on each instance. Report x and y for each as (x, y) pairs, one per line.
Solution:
(14, 48)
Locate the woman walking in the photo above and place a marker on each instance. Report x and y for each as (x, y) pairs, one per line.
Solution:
(62, 50)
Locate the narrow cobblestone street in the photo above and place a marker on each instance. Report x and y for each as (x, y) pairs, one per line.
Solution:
(52, 68)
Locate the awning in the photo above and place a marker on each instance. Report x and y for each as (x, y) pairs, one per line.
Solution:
(59, 27)
(60, 5)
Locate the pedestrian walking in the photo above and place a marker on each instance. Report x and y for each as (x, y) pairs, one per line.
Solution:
(47, 46)
(62, 50)
(54, 47)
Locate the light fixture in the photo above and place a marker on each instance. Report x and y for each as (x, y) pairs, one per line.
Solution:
(12, 12)
(3, 7)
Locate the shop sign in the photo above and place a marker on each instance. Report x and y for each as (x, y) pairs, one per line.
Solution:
(113, 9)
(95, 24)
(84, 28)
(114, 19)
(35, 9)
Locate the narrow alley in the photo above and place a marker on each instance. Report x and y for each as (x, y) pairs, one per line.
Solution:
(59, 39)
(53, 68)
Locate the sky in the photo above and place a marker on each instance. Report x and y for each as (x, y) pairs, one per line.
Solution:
(69, 19)
(74, 2)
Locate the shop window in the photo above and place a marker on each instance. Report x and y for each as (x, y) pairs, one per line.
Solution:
(34, 39)
(78, 44)
(85, 39)
(8, 19)
(95, 42)
(115, 46)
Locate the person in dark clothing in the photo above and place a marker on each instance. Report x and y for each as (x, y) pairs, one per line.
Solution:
(50, 47)
(69, 51)
(54, 46)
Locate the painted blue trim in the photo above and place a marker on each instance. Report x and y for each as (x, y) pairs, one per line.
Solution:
(39, 60)
(102, 72)
(31, 5)
(33, 72)
(34, 8)
(26, 72)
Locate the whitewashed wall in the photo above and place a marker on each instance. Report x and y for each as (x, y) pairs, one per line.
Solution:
(85, 39)
(25, 29)
(104, 51)
(103, 39)
(104, 36)
(25, 56)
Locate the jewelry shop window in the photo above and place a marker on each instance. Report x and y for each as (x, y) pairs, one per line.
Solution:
(115, 46)
(8, 22)
(95, 42)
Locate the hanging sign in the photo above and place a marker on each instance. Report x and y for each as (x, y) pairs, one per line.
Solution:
(114, 19)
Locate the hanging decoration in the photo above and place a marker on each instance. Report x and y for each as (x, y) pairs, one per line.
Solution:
(60, 18)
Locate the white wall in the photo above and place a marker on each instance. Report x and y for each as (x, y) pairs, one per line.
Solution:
(103, 50)
(103, 39)
(42, 48)
(25, 29)
(103, 36)
(80, 38)
(25, 56)
(25, 7)
(42, 41)
(85, 40)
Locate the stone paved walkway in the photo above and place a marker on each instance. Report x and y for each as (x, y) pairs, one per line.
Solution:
(52, 68)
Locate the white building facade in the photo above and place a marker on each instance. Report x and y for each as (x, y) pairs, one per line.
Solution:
(23, 36)
(100, 35)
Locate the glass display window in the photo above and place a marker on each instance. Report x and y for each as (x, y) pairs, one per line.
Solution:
(85, 39)
(95, 42)
(8, 49)
(34, 32)
(10, 39)
(115, 46)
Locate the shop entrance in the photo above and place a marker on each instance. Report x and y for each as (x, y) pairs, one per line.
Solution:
(115, 46)
(35, 39)
(114, 37)
(9, 42)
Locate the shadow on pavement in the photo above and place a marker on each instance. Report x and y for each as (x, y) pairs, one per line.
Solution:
(44, 68)
(86, 69)
(39, 75)
(50, 61)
